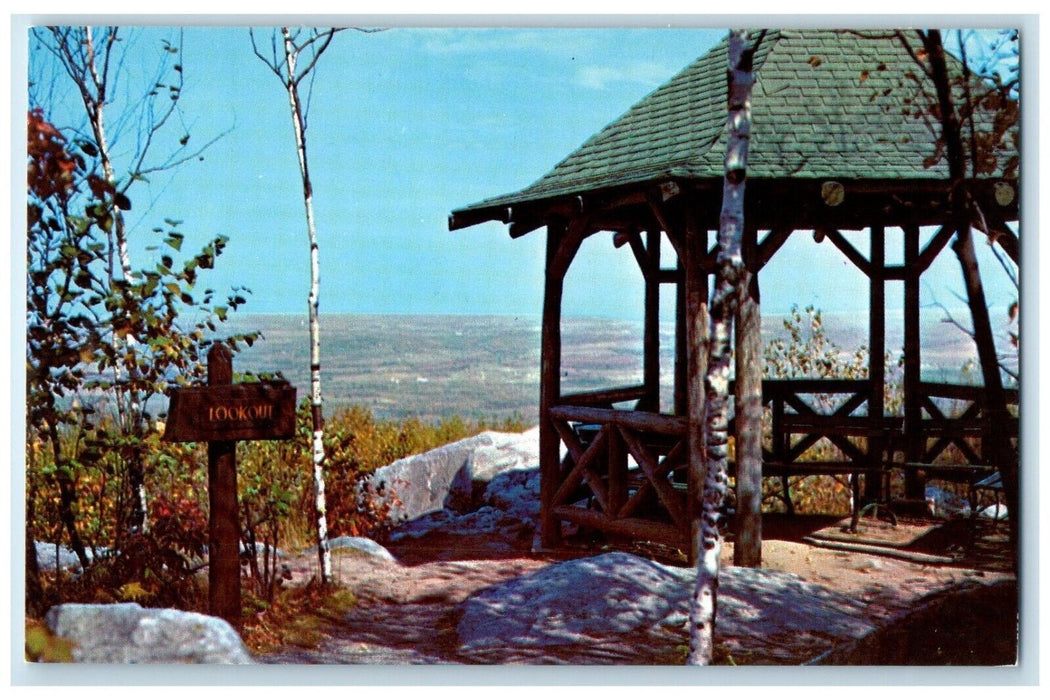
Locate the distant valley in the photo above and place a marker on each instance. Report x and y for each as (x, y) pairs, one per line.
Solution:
(485, 367)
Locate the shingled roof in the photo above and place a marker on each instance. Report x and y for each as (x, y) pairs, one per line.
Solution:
(826, 104)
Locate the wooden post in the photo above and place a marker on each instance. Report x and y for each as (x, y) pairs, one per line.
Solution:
(651, 342)
(224, 565)
(914, 488)
(550, 388)
(698, 330)
(681, 344)
(877, 347)
(616, 454)
(748, 548)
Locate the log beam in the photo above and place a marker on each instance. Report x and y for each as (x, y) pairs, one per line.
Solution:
(748, 390)
(876, 344)
(651, 339)
(914, 443)
(851, 253)
(698, 329)
(562, 243)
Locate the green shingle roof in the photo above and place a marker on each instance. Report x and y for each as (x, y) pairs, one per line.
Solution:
(826, 104)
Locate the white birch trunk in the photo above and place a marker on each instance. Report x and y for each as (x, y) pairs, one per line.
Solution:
(323, 552)
(728, 289)
(129, 415)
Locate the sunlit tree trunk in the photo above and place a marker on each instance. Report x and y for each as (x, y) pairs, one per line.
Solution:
(729, 280)
(324, 556)
(89, 63)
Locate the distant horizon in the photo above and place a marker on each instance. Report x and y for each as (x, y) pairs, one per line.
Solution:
(891, 312)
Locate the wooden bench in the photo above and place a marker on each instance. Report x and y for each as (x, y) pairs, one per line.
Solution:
(975, 476)
(785, 461)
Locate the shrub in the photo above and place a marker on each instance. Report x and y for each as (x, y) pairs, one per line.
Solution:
(808, 352)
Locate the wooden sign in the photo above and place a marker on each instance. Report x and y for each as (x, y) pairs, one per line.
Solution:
(220, 414)
(263, 411)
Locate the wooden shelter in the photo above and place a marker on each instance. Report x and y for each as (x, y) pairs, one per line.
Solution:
(838, 143)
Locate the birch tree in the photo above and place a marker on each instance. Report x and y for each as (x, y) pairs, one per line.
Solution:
(729, 279)
(132, 130)
(293, 56)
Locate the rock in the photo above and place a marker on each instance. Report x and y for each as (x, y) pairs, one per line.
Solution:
(944, 504)
(486, 521)
(973, 625)
(454, 476)
(49, 557)
(993, 512)
(507, 451)
(493, 493)
(621, 598)
(129, 633)
(517, 493)
(422, 483)
(359, 544)
(422, 526)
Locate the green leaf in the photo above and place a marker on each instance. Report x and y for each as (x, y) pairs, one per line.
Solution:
(174, 240)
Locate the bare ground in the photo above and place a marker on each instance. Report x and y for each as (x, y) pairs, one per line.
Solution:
(406, 611)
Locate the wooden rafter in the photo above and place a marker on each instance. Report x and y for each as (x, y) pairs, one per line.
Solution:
(1000, 233)
(854, 255)
(769, 246)
(934, 247)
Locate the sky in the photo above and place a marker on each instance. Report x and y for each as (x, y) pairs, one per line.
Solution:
(404, 126)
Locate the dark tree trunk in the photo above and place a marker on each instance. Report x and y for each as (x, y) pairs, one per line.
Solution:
(995, 439)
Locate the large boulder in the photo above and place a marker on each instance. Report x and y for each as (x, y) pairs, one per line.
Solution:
(127, 633)
(51, 557)
(619, 601)
(516, 492)
(356, 545)
(454, 476)
(975, 624)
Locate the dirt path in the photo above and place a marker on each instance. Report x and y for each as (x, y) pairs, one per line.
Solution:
(406, 613)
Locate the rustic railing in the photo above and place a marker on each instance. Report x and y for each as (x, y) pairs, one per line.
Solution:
(937, 434)
(624, 471)
(963, 430)
(835, 411)
(618, 471)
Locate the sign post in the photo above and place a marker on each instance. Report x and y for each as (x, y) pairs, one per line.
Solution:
(221, 414)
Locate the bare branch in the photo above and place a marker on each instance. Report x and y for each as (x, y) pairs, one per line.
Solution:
(325, 37)
(911, 52)
(273, 63)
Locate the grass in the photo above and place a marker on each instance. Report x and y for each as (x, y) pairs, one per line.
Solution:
(299, 616)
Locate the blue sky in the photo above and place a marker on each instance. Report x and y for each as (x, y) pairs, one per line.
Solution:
(406, 125)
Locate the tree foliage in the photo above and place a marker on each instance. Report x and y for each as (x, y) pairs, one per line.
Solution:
(104, 340)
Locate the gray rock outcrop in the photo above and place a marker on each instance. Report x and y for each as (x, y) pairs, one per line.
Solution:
(484, 485)
(127, 633)
(453, 476)
(51, 557)
(362, 545)
(621, 600)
